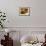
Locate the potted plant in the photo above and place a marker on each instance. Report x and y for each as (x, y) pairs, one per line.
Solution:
(2, 19)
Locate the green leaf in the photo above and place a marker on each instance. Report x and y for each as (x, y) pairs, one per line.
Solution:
(0, 21)
(0, 12)
(2, 26)
(4, 16)
(4, 13)
(3, 19)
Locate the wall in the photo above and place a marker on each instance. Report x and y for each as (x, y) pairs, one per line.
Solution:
(37, 19)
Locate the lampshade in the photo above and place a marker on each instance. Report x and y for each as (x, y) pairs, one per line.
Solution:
(7, 30)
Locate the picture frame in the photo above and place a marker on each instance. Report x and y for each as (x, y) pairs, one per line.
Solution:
(24, 11)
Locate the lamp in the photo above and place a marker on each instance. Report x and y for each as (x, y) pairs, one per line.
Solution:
(7, 31)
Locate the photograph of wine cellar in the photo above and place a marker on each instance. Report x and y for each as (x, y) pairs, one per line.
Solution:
(24, 11)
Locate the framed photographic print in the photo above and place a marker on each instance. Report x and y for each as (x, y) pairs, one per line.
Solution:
(24, 11)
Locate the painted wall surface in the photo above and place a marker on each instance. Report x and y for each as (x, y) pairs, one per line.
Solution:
(37, 19)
